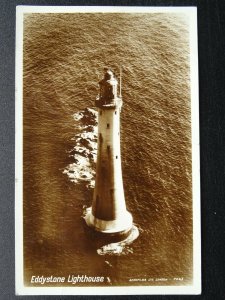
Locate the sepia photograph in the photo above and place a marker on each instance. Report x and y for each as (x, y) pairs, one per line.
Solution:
(107, 151)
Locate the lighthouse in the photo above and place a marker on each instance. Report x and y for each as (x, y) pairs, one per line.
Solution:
(108, 213)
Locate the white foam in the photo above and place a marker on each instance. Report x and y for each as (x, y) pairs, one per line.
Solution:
(85, 149)
(120, 248)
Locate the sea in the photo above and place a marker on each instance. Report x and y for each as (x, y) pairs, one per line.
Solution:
(63, 59)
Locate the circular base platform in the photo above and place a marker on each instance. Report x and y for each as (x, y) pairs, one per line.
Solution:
(113, 227)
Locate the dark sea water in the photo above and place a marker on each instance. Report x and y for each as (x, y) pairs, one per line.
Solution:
(64, 56)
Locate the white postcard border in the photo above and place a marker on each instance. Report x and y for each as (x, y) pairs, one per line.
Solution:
(125, 290)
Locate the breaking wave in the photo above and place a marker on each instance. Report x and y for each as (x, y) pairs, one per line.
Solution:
(120, 248)
(84, 152)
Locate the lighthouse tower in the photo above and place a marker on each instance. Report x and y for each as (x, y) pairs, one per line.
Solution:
(108, 213)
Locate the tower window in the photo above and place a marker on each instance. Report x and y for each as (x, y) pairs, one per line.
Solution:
(116, 156)
(108, 150)
(107, 125)
(100, 138)
(115, 112)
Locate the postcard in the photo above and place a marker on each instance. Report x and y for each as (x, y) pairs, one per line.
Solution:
(107, 151)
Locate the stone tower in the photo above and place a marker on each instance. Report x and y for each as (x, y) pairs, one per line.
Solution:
(108, 213)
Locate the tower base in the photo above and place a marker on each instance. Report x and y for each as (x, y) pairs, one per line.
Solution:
(118, 226)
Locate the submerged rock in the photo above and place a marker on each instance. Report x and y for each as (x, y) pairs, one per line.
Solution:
(88, 117)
